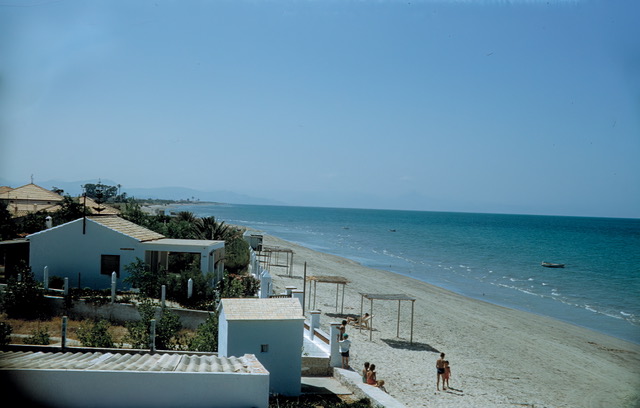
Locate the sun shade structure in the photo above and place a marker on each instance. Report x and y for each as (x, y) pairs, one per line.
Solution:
(399, 297)
(272, 256)
(337, 280)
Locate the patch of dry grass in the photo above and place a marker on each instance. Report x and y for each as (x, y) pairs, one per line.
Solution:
(54, 327)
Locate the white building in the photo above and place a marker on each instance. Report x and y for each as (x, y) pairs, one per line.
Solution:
(90, 249)
(131, 379)
(270, 329)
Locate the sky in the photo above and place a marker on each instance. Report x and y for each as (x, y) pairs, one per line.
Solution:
(521, 106)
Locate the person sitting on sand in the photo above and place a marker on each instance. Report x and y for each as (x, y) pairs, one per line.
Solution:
(365, 370)
(372, 378)
(440, 372)
(356, 320)
(446, 375)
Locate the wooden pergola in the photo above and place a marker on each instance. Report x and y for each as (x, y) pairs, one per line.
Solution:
(271, 256)
(337, 280)
(398, 297)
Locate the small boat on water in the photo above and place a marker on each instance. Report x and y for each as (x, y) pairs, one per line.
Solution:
(552, 265)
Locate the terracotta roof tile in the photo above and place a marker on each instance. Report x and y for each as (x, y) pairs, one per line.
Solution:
(125, 227)
(262, 309)
(30, 192)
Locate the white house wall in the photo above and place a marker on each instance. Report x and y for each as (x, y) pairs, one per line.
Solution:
(284, 340)
(68, 252)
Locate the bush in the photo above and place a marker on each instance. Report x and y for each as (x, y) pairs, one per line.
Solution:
(237, 254)
(5, 333)
(141, 277)
(167, 328)
(238, 286)
(95, 334)
(206, 338)
(56, 282)
(203, 292)
(39, 336)
(24, 299)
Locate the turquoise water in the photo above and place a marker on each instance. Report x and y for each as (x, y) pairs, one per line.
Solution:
(492, 257)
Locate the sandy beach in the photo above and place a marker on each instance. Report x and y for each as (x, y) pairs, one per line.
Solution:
(499, 357)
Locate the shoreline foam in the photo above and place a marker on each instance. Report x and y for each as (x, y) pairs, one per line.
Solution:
(499, 356)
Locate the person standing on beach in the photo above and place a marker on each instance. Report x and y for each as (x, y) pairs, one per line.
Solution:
(345, 345)
(446, 375)
(440, 372)
(342, 329)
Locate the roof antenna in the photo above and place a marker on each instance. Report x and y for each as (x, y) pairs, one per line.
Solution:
(32, 179)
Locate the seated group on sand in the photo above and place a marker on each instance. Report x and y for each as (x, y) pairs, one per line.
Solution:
(369, 376)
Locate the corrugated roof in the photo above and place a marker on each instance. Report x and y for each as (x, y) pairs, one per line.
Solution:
(125, 227)
(31, 192)
(108, 361)
(262, 309)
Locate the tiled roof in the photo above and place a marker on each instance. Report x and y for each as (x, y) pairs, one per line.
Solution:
(4, 189)
(125, 227)
(262, 309)
(108, 361)
(30, 192)
(91, 204)
(21, 210)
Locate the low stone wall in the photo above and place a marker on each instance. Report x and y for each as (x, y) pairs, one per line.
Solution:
(353, 381)
(316, 367)
(122, 312)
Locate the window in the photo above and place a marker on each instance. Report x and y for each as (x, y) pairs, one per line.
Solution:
(110, 264)
(264, 348)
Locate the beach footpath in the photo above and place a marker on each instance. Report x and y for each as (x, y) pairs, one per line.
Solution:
(499, 357)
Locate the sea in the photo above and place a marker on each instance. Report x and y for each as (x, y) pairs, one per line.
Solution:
(491, 257)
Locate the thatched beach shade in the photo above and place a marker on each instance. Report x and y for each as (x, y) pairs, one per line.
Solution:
(338, 280)
(399, 298)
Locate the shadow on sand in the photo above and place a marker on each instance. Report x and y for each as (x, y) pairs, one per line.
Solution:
(405, 344)
(290, 277)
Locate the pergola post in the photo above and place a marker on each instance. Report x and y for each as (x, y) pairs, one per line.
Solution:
(398, 328)
(371, 321)
(399, 298)
(413, 302)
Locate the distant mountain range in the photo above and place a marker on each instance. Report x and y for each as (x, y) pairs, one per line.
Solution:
(74, 188)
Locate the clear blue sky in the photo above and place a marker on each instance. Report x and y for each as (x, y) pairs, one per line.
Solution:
(482, 106)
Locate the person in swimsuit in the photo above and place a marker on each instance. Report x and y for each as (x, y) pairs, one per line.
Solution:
(372, 378)
(446, 375)
(440, 372)
(342, 329)
(344, 345)
(364, 372)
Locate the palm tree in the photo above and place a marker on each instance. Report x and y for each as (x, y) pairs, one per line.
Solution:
(186, 216)
(209, 228)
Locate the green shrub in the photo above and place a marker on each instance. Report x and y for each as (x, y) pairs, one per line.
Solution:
(237, 254)
(24, 299)
(5, 333)
(238, 286)
(206, 338)
(95, 334)
(141, 277)
(56, 282)
(167, 328)
(39, 336)
(203, 291)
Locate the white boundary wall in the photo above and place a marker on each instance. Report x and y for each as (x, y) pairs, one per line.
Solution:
(119, 389)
